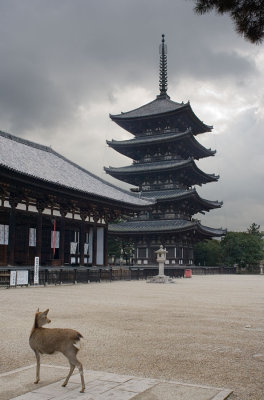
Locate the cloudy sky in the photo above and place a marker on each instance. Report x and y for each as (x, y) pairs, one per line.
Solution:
(67, 64)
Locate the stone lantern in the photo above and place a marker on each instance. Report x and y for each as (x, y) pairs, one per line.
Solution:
(161, 258)
(161, 278)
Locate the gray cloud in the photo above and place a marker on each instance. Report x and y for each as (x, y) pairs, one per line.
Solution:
(65, 65)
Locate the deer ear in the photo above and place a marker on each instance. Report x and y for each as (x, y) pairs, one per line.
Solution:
(37, 310)
(46, 312)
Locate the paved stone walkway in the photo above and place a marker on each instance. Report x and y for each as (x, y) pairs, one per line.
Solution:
(102, 386)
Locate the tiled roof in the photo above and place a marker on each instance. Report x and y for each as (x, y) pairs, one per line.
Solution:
(133, 147)
(159, 167)
(177, 225)
(43, 163)
(154, 139)
(153, 166)
(157, 106)
(168, 193)
(175, 194)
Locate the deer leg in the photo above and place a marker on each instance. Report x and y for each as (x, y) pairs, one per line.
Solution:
(72, 366)
(74, 362)
(37, 367)
(80, 367)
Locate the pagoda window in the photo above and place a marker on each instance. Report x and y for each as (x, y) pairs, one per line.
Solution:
(171, 252)
(142, 252)
(190, 252)
(181, 252)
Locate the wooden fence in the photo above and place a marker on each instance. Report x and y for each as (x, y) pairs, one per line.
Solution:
(66, 275)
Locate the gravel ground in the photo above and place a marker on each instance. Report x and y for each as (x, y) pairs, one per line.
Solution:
(204, 330)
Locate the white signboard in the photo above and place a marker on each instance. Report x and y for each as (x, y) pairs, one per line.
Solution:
(22, 278)
(86, 248)
(36, 271)
(32, 237)
(73, 247)
(12, 278)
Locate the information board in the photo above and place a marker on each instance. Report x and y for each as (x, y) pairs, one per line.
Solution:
(36, 271)
(22, 278)
(12, 278)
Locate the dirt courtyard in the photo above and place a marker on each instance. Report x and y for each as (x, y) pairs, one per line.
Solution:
(204, 330)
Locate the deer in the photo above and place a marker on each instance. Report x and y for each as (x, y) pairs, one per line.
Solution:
(50, 340)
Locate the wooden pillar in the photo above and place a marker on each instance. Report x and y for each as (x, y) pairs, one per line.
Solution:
(63, 213)
(40, 207)
(82, 240)
(12, 230)
(96, 219)
(106, 245)
(82, 237)
(83, 215)
(94, 244)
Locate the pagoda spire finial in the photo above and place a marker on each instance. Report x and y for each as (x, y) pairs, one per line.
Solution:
(163, 76)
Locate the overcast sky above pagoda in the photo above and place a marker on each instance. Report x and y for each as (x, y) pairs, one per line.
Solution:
(65, 65)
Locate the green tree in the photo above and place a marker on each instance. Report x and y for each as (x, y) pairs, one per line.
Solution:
(243, 248)
(247, 15)
(232, 248)
(208, 253)
(120, 248)
(254, 230)
(114, 246)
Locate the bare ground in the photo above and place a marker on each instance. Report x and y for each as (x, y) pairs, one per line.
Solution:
(205, 330)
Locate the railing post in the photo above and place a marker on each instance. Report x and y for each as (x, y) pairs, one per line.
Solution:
(75, 276)
(46, 277)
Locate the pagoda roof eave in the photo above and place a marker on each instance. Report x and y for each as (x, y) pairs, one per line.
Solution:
(180, 194)
(163, 226)
(123, 146)
(158, 106)
(153, 168)
(139, 115)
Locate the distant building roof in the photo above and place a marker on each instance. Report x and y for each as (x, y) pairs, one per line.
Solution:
(43, 163)
(176, 225)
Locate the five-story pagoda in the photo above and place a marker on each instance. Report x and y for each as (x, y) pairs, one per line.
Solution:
(164, 150)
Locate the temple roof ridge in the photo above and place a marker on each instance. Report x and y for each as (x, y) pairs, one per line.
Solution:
(27, 158)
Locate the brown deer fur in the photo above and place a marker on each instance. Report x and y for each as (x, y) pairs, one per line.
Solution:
(48, 341)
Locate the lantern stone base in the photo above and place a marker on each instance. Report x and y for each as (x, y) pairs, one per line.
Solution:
(160, 279)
